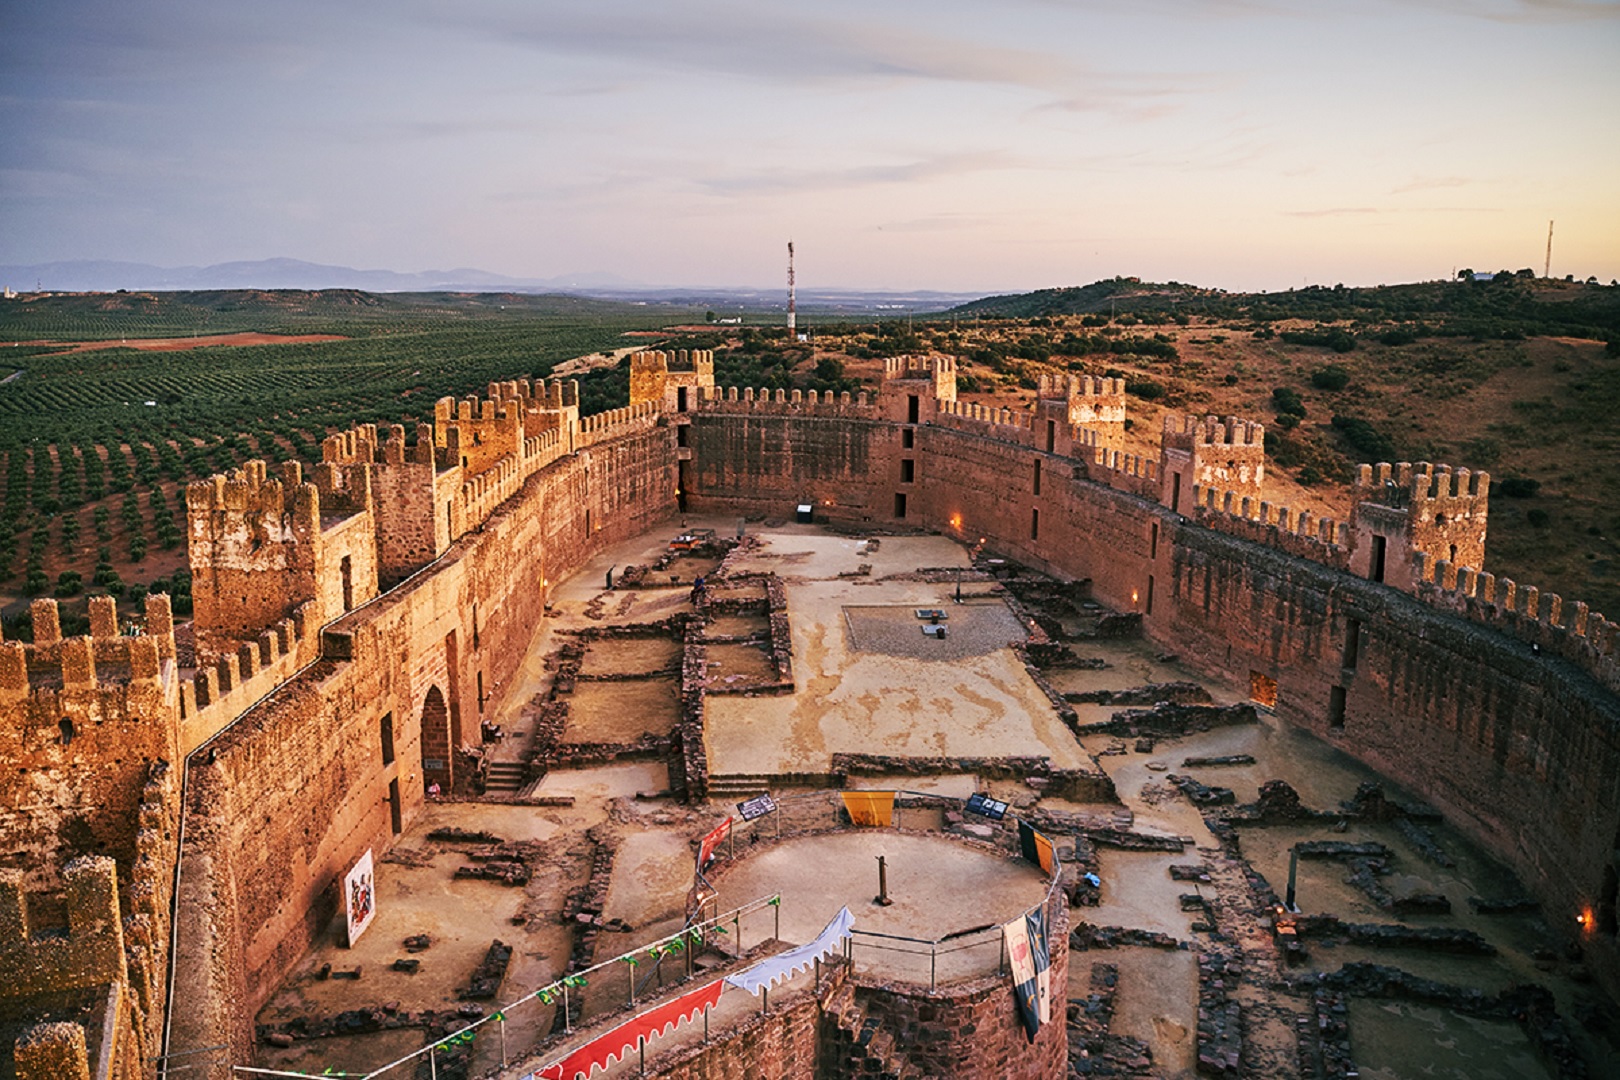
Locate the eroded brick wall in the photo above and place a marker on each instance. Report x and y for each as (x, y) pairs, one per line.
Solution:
(761, 464)
(1520, 750)
(290, 796)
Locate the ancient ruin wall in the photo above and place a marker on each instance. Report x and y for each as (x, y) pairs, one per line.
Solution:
(285, 800)
(764, 458)
(87, 719)
(1521, 751)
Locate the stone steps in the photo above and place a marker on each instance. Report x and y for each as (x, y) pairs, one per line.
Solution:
(505, 776)
(738, 785)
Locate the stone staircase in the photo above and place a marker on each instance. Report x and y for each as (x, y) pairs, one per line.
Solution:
(505, 777)
(737, 786)
(866, 1049)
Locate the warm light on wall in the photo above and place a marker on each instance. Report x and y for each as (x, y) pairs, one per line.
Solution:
(956, 521)
(1133, 597)
(1584, 919)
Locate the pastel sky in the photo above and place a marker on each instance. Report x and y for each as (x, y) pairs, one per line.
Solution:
(944, 144)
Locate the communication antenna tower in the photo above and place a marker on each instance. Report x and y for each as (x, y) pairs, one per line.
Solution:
(1546, 268)
(793, 316)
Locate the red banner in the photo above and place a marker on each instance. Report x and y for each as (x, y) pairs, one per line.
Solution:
(712, 841)
(601, 1051)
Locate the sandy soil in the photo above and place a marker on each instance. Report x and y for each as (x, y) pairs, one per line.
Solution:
(183, 343)
(620, 712)
(631, 656)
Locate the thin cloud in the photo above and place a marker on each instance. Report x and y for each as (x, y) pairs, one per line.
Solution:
(1335, 211)
(1430, 183)
(1140, 97)
(1526, 11)
(1353, 211)
(777, 181)
(934, 223)
(758, 43)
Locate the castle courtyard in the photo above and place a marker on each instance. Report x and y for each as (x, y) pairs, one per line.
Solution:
(864, 683)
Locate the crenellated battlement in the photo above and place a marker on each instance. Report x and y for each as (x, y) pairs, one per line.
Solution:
(1403, 483)
(1297, 533)
(929, 379)
(92, 676)
(227, 683)
(1405, 509)
(89, 954)
(1084, 405)
(1003, 424)
(671, 379)
(1190, 432)
(1061, 386)
(1226, 453)
(1524, 611)
(779, 402)
(618, 422)
(252, 492)
(918, 367)
(1117, 469)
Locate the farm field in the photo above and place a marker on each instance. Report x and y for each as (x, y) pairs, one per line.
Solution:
(97, 445)
(1519, 378)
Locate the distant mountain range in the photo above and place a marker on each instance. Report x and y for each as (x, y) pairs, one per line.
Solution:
(107, 276)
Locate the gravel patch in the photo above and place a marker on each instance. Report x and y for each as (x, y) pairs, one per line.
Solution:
(972, 629)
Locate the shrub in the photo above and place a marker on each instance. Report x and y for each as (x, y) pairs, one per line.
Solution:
(1146, 389)
(1286, 400)
(1366, 438)
(69, 583)
(1537, 517)
(1517, 487)
(1287, 421)
(1331, 377)
(1332, 337)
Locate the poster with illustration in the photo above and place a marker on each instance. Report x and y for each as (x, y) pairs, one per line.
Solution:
(359, 897)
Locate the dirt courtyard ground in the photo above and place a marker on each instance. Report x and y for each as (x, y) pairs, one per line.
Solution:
(964, 703)
(611, 854)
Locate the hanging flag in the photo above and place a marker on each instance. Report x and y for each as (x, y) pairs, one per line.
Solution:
(870, 807)
(765, 974)
(1031, 962)
(1035, 847)
(601, 1051)
(710, 842)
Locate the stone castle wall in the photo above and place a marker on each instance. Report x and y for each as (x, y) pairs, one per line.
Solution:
(1519, 749)
(291, 794)
(402, 584)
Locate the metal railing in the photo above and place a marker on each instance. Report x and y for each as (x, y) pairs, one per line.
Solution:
(958, 954)
(522, 1025)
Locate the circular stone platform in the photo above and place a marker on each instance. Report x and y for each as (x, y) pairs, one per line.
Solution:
(939, 886)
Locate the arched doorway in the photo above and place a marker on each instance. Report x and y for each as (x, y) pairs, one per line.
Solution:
(436, 745)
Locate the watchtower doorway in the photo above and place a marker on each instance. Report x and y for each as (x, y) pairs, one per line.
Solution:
(436, 748)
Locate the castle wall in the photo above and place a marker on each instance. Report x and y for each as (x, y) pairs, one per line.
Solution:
(295, 791)
(79, 741)
(1521, 751)
(253, 547)
(1523, 754)
(763, 458)
(407, 537)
